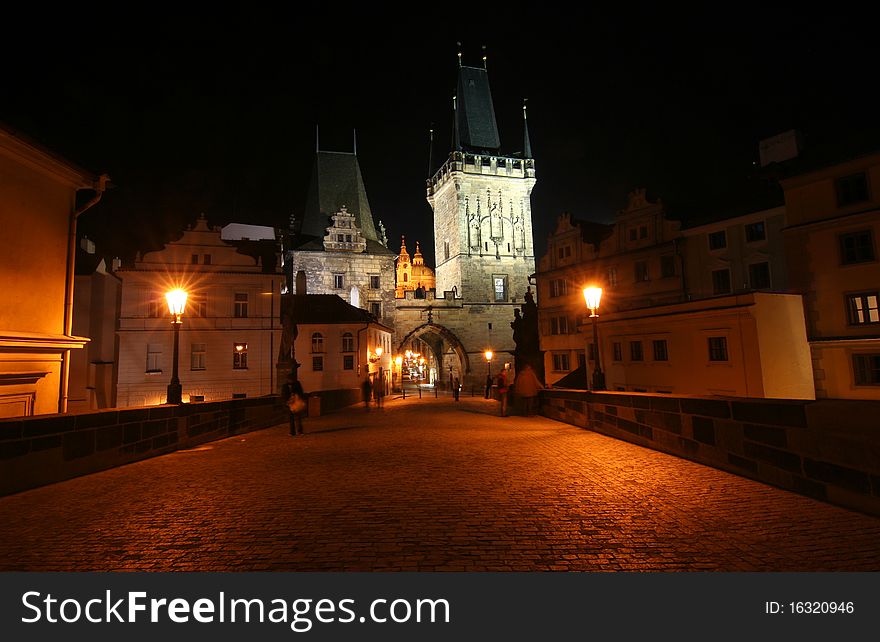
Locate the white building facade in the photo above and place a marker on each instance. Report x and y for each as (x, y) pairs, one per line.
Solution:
(230, 332)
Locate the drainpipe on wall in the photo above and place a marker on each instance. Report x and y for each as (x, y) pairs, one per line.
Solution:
(99, 187)
(366, 327)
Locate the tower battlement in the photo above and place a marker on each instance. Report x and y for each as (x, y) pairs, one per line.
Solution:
(484, 165)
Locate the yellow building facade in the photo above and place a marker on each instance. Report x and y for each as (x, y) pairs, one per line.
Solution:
(412, 273)
(831, 245)
(38, 211)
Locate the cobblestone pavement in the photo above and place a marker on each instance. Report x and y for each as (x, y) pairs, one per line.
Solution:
(427, 485)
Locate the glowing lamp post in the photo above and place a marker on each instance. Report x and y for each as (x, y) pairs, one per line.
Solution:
(592, 296)
(176, 305)
(488, 354)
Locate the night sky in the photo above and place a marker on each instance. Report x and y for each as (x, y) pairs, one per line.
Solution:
(191, 115)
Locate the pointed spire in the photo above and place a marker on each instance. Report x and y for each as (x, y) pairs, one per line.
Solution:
(417, 257)
(458, 44)
(527, 144)
(484, 57)
(430, 149)
(457, 140)
(317, 138)
(403, 251)
(355, 139)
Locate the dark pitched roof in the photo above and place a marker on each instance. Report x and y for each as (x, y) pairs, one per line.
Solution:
(475, 113)
(336, 181)
(327, 308)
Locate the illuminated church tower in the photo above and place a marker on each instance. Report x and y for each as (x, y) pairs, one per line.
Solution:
(481, 201)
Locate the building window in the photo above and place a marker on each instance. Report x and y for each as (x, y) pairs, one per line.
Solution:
(755, 232)
(851, 189)
(317, 342)
(721, 281)
(717, 348)
(405, 277)
(317, 363)
(376, 309)
(195, 259)
(338, 281)
(617, 349)
(206, 259)
(557, 287)
(866, 368)
(158, 308)
(718, 240)
(856, 247)
(558, 325)
(643, 232)
(641, 271)
(374, 282)
(348, 342)
(581, 359)
(632, 234)
(154, 357)
(560, 362)
(667, 265)
(197, 356)
(862, 308)
(635, 351)
(241, 305)
(500, 287)
(612, 276)
(660, 350)
(197, 305)
(759, 276)
(239, 356)
(446, 249)
(348, 362)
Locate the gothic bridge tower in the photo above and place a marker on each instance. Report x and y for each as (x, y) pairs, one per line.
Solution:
(482, 242)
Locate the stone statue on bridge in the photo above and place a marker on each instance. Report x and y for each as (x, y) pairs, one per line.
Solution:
(526, 338)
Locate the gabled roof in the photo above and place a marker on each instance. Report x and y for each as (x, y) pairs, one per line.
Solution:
(336, 181)
(328, 309)
(475, 113)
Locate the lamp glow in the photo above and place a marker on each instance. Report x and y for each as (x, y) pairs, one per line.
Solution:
(592, 295)
(176, 302)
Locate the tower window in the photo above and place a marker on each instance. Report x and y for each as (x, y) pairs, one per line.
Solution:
(446, 249)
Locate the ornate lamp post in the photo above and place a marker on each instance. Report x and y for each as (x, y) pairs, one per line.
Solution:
(592, 295)
(488, 354)
(176, 305)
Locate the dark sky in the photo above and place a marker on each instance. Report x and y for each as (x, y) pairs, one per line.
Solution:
(196, 114)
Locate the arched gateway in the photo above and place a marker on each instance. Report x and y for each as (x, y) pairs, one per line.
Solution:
(444, 341)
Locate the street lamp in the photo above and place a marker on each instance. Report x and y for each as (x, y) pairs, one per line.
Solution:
(176, 305)
(592, 295)
(488, 355)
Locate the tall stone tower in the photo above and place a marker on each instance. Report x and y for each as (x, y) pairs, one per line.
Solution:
(481, 201)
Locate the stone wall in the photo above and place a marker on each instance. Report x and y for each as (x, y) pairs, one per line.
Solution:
(826, 449)
(35, 451)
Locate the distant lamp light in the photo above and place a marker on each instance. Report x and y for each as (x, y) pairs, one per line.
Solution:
(398, 360)
(488, 354)
(239, 347)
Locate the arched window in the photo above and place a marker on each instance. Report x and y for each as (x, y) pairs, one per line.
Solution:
(317, 342)
(347, 342)
(405, 277)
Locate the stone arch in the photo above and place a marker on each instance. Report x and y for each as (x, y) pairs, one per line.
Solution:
(447, 335)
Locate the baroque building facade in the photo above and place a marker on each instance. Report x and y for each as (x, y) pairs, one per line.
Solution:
(831, 237)
(230, 329)
(700, 310)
